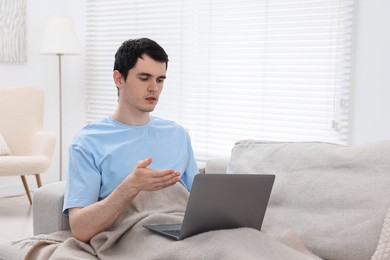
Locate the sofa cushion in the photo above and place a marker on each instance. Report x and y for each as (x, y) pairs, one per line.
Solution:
(4, 149)
(335, 197)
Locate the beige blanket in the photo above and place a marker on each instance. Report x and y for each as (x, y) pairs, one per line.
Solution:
(127, 239)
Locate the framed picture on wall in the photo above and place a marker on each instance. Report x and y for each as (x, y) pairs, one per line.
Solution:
(13, 35)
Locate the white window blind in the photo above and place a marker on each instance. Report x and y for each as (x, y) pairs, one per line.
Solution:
(250, 69)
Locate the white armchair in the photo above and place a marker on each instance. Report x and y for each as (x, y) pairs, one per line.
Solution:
(21, 123)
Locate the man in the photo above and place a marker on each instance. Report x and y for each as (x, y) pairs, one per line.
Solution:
(112, 160)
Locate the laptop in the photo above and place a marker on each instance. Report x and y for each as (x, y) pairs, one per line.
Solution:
(221, 201)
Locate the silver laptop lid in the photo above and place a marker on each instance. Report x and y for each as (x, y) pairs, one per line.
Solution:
(224, 201)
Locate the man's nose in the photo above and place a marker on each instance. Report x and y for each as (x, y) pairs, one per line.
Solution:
(153, 86)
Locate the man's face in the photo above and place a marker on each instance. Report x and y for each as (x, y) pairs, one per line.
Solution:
(142, 88)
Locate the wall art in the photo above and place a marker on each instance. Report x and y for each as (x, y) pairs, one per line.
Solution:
(13, 35)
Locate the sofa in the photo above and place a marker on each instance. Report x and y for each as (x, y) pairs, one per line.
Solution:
(335, 197)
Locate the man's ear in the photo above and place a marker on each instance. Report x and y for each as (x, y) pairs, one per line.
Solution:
(118, 79)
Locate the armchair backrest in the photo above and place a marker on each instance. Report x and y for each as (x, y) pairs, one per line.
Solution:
(21, 116)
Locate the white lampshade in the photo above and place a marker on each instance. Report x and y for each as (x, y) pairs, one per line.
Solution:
(60, 36)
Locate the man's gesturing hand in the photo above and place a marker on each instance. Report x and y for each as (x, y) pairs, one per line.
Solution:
(144, 178)
(90, 220)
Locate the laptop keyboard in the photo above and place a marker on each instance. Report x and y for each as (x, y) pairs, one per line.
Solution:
(173, 232)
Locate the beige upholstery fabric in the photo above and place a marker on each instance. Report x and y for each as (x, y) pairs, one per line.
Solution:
(335, 197)
(4, 149)
(21, 123)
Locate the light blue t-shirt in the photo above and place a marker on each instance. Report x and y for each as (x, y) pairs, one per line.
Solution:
(104, 153)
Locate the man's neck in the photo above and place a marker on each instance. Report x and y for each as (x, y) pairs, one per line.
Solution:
(131, 119)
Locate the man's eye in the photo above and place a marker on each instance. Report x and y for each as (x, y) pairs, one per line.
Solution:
(160, 81)
(143, 78)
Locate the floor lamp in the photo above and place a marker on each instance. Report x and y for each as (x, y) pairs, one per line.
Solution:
(60, 39)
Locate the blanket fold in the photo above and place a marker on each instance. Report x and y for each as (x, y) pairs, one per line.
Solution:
(128, 239)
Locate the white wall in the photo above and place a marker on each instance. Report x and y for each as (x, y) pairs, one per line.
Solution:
(42, 70)
(370, 106)
(371, 87)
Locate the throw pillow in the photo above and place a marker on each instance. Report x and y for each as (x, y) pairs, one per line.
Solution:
(4, 150)
(335, 197)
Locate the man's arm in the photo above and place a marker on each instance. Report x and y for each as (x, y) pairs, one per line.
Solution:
(90, 220)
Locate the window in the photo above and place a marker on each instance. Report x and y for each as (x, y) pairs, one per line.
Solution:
(250, 69)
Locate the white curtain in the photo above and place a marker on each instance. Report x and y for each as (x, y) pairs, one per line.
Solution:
(249, 69)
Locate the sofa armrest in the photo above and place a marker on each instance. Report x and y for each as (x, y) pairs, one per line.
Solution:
(47, 209)
(217, 165)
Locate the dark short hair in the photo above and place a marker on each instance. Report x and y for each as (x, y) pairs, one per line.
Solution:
(128, 53)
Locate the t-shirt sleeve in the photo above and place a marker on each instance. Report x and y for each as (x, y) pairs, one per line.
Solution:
(83, 181)
(191, 169)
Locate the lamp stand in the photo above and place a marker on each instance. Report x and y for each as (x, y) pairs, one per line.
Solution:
(60, 108)
(60, 38)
